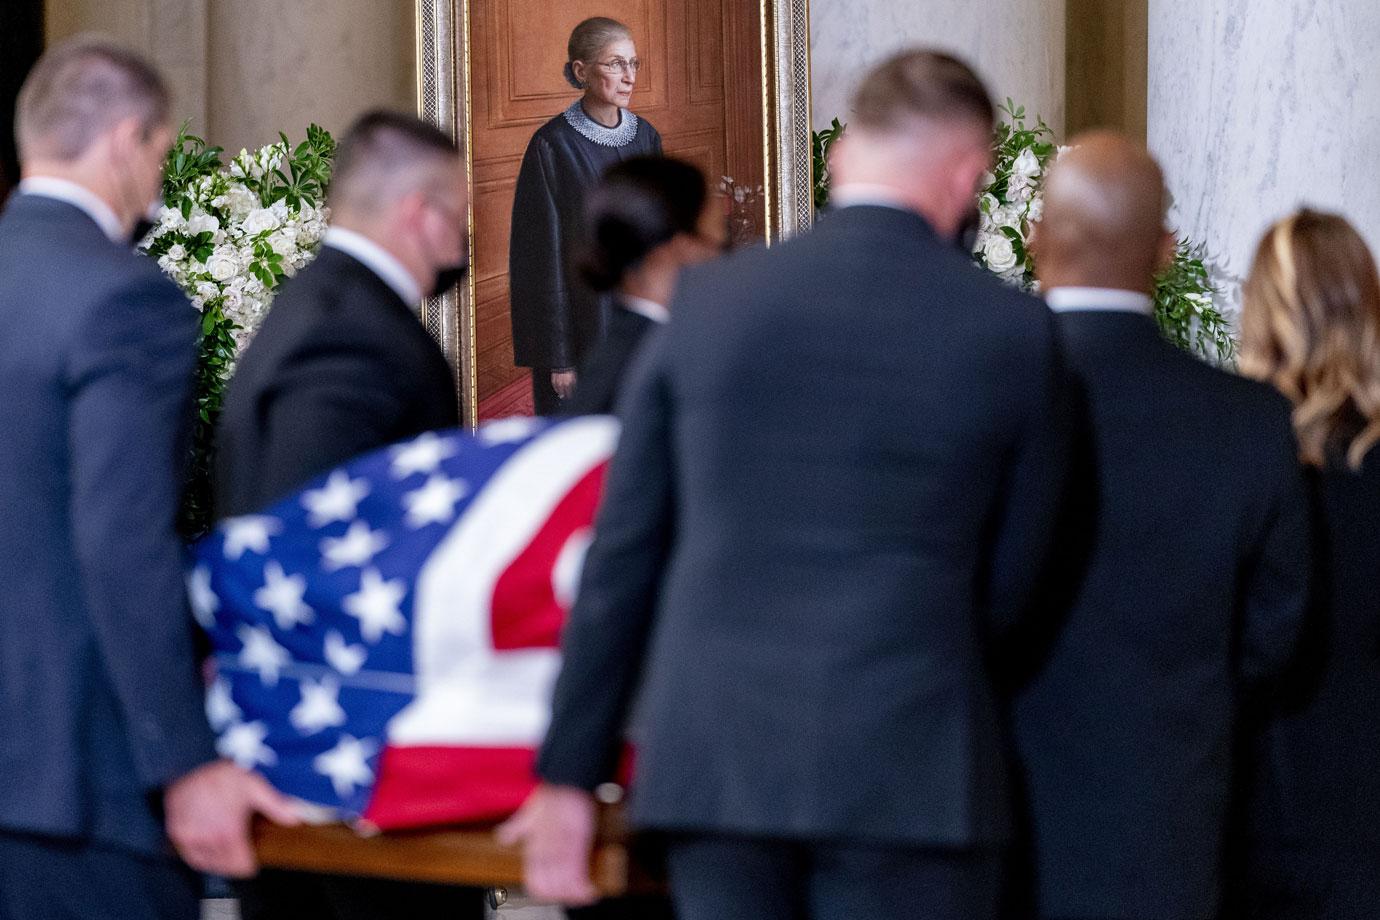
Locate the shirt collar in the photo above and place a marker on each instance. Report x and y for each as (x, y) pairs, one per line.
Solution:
(1082, 299)
(378, 260)
(79, 197)
(856, 194)
(652, 310)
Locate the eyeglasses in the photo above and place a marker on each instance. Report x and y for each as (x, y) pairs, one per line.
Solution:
(618, 65)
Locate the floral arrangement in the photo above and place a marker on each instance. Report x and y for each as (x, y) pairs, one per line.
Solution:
(1011, 202)
(743, 207)
(229, 236)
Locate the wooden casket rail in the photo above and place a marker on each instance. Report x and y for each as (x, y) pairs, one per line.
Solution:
(450, 855)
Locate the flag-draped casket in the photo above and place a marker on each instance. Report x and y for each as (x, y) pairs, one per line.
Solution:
(386, 639)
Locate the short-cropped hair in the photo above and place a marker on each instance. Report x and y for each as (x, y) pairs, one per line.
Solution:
(920, 85)
(79, 90)
(385, 155)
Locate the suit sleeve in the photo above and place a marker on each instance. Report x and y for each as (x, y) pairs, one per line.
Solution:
(1034, 487)
(606, 636)
(542, 324)
(1277, 589)
(130, 380)
(327, 406)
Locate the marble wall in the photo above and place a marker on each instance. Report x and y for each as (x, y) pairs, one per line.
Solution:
(1257, 107)
(242, 70)
(1016, 45)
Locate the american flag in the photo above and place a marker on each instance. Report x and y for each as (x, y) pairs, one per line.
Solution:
(386, 639)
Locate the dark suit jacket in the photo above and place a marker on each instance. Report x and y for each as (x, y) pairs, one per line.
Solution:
(838, 469)
(602, 375)
(1192, 585)
(101, 703)
(340, 367)
(1316, 805)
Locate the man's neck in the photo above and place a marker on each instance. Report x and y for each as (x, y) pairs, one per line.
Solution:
(419, 273)
(892, 195)
(91, 184)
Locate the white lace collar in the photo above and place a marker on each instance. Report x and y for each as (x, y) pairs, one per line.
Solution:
(594, 132)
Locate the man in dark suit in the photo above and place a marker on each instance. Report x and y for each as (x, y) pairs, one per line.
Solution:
(839, 467)
(1191, 534)
(340, 367)
(103, 740)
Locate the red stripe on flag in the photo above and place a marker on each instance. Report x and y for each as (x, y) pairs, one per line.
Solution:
(422, 786)
(526, 613)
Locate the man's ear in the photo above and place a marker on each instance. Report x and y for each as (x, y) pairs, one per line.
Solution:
(1169, 247)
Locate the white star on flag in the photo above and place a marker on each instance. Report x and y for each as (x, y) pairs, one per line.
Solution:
(221, 710)
(354, 550)
(344, 657)
(434, 503)
(251, 532)
(338, 500)
(507, 430)
(421, 455)
(375, 605)
(262, 653)
(282, 596)
(244, 744)
(319, 708)
(203, 600)
(346, 764)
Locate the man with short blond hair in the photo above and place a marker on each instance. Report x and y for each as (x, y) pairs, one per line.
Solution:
(104, 747)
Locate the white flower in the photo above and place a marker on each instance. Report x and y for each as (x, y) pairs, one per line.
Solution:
(988, 203)
(253, 286)
(240, 201)
(177, 252)
(223, 265)
(283, 243)
(165, 262)
(201, 222)
(1021, 192)
(1037, 209)
(170, 219)
(1007, 216)
(1027, 165)
(999, 253)
(198, 303)
(260, 221)
(988, 178)
(233, 300)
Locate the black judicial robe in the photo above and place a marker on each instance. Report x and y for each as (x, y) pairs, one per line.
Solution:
(556, 317)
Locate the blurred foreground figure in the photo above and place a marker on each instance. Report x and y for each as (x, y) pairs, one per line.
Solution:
(825, 506)
(342, 366)
(1187, 556)
(103, 739)
(1311, 327)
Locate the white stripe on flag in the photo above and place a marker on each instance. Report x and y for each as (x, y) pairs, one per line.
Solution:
(466, 693)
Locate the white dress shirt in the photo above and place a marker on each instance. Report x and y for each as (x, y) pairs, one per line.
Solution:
(1075, 299)
(378, 260)
(654, 311)
(80, 197)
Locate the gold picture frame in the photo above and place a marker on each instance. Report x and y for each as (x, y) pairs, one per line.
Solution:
(444, 84)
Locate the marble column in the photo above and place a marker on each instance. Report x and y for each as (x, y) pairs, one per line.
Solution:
(1016, 45)
(278, 66)
(1256, 108)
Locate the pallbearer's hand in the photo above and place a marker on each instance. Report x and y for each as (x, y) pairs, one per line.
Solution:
(209, 812)
(555, 828)
(563, 382)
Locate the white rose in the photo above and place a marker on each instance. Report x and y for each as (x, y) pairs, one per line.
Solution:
(1027, 165)
(259, 221)
(283, 246)
(999, 254)
(223, 266)
(177, 252)
(170, 218)
(240, 201)
(202, 223)
(1037, 209)
(1007, 216)
(165, 262)
(233, 300)
(253, 286)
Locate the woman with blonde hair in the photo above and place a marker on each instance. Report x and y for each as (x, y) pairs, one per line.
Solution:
(1311, 327)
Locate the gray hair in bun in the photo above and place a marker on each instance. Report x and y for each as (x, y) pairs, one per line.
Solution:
(588, 39)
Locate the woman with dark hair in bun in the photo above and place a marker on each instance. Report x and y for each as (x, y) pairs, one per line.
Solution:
(647, 219)
(556, 318)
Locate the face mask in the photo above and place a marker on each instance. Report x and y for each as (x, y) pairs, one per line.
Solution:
(449, 277)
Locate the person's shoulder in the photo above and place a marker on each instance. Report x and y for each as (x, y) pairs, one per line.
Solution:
(644, 124)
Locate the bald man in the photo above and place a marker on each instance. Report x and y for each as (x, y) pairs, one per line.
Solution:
(1189, 566)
